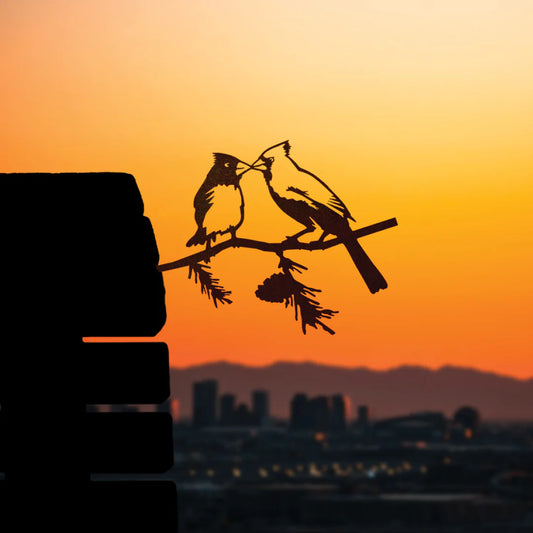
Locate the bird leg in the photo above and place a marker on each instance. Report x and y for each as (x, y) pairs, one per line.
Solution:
(292, 238)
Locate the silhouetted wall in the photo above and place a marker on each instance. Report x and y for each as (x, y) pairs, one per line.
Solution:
(79, 259)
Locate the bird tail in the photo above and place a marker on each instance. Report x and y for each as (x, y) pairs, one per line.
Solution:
(371, 275)
(198, 238)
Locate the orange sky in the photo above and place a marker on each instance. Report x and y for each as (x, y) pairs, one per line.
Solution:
(419, 110)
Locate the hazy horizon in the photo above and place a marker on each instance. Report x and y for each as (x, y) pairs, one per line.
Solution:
(348, 367)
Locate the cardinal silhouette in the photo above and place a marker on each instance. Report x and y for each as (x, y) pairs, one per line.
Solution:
(308, 200)
(219, 202)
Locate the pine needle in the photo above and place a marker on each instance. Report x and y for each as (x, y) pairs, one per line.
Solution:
(208, 284)
(282, 287)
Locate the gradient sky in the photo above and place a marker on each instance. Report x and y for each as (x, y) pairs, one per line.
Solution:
(416, 109)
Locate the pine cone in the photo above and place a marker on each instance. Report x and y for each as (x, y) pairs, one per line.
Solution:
(277, 288)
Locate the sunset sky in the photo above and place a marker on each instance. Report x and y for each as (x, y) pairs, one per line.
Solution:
(416, 109)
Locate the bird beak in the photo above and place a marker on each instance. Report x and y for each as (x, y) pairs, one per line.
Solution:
(263, 164)
(243, 168)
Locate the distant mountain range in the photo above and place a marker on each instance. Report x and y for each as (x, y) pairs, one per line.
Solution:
(398, 391)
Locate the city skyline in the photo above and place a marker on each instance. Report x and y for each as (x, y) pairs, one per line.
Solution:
(319, 413)
(391, 393)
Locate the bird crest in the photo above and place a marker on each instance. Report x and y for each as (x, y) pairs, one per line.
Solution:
(221, 159)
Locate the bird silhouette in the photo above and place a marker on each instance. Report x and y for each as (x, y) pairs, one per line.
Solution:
(219, 202)
(308, 200)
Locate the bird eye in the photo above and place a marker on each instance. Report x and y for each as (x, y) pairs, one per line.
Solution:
(226, 165)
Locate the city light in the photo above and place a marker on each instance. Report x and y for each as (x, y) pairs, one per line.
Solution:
(314, 471)
(355, 464)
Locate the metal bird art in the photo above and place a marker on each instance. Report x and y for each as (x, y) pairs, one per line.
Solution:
(219, 202)
(303, 196)
(308, 200)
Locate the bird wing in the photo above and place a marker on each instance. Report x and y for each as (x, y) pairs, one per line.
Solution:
(225, 209)
(319, 196)
(308, 185)
(202, 203)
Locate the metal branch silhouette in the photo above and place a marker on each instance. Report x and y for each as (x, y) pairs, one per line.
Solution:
(275, 247)
(219, 210)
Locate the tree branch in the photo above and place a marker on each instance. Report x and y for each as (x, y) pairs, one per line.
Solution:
(277, 247)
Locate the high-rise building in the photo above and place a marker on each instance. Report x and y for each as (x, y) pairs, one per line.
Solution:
(244, 416)
(363, 417)
(300, 412)
(227, 409)
(205, 403)
(320, 413)
(338, 412)
(260, 406)
(313, 413)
